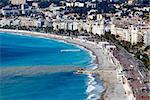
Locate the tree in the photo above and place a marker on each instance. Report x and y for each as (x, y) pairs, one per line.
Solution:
(140, 44)
(117, 36)
(127, 45)
(61, 31)
(147, 48)
(144, 58)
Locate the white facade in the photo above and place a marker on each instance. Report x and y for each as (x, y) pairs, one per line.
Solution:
(130, 2)
(89, 26)
(99, 17)
(35, 4)
(18, 2)
(75, 25)
(130, 34)
(39, 22)
(72, 25)
(134, 34)
(127, 35)
(15, 22)
(74, 4)
(69, 4)
(59, 25)
(81, 25)
(69, 26)
(55, 25)
(54, 8)
(98, 28)
(90, 17)
(29, 22)
(48, 23)
(4, 22)
(147, 38)
(113, 29)
(63, 25)
(78, 4)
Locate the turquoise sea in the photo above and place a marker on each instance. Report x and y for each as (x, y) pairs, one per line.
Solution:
(36, 68)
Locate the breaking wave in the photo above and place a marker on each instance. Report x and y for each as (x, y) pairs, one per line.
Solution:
(94, 88)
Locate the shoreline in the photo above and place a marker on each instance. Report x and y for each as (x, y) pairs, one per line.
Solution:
(57, 38)
(87, 45)
(54, 37)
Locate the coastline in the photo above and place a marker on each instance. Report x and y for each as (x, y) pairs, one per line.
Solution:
(89, 46)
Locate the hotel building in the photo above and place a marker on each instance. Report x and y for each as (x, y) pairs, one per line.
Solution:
(147, 38)
(128, 33)
(96, 27)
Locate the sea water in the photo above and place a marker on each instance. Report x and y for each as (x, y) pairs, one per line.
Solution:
(35, 68)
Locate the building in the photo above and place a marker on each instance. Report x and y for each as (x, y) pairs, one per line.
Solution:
(58, 24)
(23, 9)
(99, 16)
(55, 8)
(69, 4)
(15, 22)
(128, 33)
(31, 22)
(87, 26)
(98, 28)
(130, 2)
(39, 22)
(66, 25)
(147, 38)
(79, 4)
(18, 2)
(134, 34)
(92, 15)
(4, 22)
(7, 11)
(122, 32)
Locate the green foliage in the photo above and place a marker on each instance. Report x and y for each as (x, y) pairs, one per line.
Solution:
(127, 45)
(147, 48)
(144, 58)
(48, 29)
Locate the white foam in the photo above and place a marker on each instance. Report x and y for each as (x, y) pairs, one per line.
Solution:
(91, 78)
(94, 88)
(91, 96)
(90, 88)
(95, 67)
(90, 82)
(94, 83)
(99, 88)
